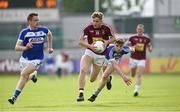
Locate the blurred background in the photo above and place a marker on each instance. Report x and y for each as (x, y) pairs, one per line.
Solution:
(66, 19)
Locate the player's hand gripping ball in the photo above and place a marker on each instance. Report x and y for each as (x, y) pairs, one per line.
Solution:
(99, 46)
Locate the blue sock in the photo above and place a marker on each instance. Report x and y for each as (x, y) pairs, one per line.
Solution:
(17, 93)
(96, 92)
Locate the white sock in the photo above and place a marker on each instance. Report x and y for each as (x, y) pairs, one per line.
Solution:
(136, 88)
(81, 91)
(18, 89)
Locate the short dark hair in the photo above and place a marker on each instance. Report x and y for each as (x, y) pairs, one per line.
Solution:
(30, 16)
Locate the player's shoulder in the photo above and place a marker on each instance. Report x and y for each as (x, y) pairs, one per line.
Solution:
(106, 26)
(125, 49)
(110, 47)
(133, 36)
(146, 36)
(43, 27)
(25, 30)
(88, 26)
(110, 50)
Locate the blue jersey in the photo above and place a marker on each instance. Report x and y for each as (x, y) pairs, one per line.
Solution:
(37, 37)
(112, 54)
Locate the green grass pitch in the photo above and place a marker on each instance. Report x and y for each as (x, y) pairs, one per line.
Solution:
(159, 92)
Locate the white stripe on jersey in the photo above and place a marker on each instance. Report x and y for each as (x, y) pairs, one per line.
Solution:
(33, 34)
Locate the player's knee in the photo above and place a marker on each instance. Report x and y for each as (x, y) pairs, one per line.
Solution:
(24, 75)
(138, 75)
(104, 77)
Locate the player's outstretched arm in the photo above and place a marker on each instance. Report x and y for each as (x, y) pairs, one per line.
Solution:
(20, 47)
(50, 49)
(119, 72)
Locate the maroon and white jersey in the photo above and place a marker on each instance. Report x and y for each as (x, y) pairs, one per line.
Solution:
(97, 34)
(141, 43)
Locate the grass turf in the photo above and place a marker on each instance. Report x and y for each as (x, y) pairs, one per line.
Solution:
(158, 93)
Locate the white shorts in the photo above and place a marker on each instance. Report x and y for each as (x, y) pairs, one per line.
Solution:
(97, 59)
(134, 63)
(24, 62)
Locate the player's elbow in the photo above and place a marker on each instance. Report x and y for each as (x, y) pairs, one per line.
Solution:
(80, 43)
(16, 48)
(50, 37)
(150, 49)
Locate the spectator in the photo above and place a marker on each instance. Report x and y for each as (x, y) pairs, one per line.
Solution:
(64, 65)
(50, 65)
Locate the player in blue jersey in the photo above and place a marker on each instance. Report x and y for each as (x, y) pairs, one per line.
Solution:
(30, 42)
(113, 56)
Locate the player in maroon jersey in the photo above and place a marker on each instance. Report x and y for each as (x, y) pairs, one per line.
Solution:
(96, 31)
(138, 58)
